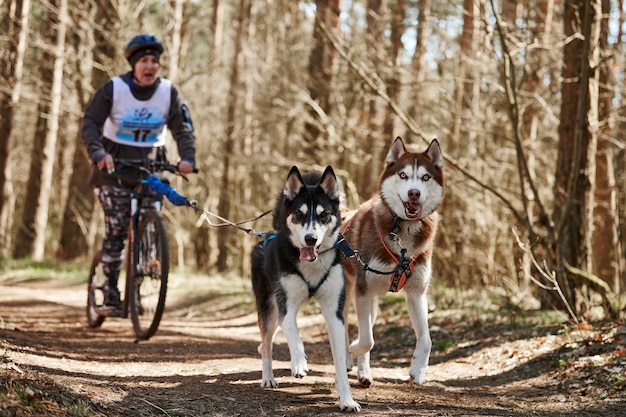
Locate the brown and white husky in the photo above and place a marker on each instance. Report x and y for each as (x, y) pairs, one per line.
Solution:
(393, 235)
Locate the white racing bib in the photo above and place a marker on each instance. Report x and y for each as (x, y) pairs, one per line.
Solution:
(135, 122)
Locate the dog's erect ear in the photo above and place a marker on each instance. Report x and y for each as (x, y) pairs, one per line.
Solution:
(294, 184)
(434, 153)
(397, 150)
(329, 183)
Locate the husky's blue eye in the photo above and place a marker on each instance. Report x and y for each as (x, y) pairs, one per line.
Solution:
(403, 175)
(426, 177)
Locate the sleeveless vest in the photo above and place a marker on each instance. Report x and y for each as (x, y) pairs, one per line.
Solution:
(135, 122)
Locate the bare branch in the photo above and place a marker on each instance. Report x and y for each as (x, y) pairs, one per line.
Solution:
(525, 176)
(547, 274)
(363, 73)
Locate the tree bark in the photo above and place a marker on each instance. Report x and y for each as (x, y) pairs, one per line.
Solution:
(321, 74)
(175, 21)
(393, 80)
(467, 87)
(77, 236)
(225, 238)
(576, 147)
(418, 62)
(28, 241)
(373, 105)
(51, 137)
(605, 216)
(217, 28)
(532, 111)
(16, 20)
(620, 162)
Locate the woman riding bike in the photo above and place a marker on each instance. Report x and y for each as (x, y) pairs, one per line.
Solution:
(127, 119)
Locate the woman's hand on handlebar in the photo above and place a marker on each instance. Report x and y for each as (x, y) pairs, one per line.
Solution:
(185, 167)
(106, 164)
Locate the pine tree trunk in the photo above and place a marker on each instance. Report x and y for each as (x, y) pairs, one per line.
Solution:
(374, 144)
(27, 229)
(15, 22)
(531, 114)
(419, 62)
(576, 149)
(605, 216)
(76, 230)
(225, 238)
(52, 130)
(175, 34)
(467, 82)
(320, 74)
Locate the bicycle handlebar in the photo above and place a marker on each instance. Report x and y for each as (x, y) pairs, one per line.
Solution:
(150, 166)
(161, 188)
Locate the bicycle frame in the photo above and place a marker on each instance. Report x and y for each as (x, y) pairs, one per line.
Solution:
(142, 199)
(146, 258)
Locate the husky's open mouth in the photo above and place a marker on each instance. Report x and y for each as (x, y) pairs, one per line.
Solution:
(308, 253)
(413, 210)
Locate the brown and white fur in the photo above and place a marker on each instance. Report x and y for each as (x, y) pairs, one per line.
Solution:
(411, 188)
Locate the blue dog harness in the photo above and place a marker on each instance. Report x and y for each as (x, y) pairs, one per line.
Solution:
(312, 289)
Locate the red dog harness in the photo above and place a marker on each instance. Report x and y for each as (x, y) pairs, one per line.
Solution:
(403, 269)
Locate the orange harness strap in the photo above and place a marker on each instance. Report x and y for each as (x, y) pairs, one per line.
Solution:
(402, 271)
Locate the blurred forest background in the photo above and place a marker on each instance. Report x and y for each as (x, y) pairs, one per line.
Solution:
(526, 98)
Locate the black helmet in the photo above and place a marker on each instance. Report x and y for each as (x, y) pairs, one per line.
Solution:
(140, 42)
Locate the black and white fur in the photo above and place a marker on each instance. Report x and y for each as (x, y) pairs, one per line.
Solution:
(298, 262)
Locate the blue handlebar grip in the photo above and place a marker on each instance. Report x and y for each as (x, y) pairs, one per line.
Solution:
(166, 190)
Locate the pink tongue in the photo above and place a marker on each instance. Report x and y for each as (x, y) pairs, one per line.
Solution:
(413, 210)
(308, 254)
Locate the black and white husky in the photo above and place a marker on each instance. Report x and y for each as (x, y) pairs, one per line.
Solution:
(296, 263)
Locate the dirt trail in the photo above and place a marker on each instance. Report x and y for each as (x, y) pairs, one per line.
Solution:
(203, 361)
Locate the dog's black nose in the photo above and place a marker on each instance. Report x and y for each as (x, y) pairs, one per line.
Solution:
(310, 240)
(414, 194)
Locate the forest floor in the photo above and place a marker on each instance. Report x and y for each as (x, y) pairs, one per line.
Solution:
(203, 361)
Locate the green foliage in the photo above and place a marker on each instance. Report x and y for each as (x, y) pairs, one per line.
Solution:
(26, 270)
(443, 344)
(558, 362)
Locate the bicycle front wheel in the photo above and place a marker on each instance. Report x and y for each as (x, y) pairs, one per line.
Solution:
(150, 272)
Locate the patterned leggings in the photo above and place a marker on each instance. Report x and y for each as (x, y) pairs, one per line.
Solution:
(115, 201)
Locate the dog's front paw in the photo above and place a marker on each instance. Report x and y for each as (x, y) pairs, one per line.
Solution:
(418, 370)
(365, 381)
(418, 374)
(364, 372)
(269, 383)
(358, 349)
(419, 377)
(299, 370)
(365, 377)
(299, 366)
(350, 405)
